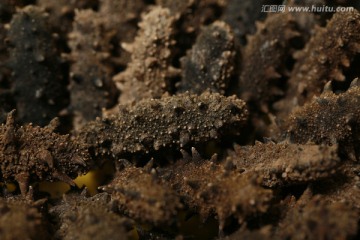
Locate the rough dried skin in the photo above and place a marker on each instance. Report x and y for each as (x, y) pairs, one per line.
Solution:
(61, 12)
(284, 163)
(168, 123)
(117, 13)
(89, 218)
(264, 58)
(329, 119)
(22, 219)
(344, 187)
(210, 188)
(209, 65)
(319, 219)
(30, 153)
(91, 86)
(39, 89)
(149, 72)
(324, 58)
(140, 194)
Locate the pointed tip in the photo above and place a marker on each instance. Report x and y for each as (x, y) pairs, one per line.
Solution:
(149, 165)
(85, 192)
(54, 124)
(185, 155)
(64, 178)
(355, 83)
(195, 154)
(214, 158)
(10, 120)
(328, 87)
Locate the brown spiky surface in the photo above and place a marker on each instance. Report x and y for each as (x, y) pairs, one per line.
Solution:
(39, 89)
(91, 86)
(284, 163)
(22, 218)
(30, 153)
(170, 122)
(210, 188)
(303, 182)
(263, 58)
(309, 219)
(81, 217)
(138, 193)
(209, 70)
(147, 75)
(325, 57)
(115, 13)
(329, 119)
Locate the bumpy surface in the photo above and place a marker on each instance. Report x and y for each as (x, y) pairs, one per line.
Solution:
(171, 66)
(39, 89)
(308, 220)
(148, 73)
(84, 218)
(22, 219)
(329, 119)
(212, 188)
(284, 163)
(209, 65)
(171, 122)
(263, 61)
(30, 153)
(91, 87)
(139, 194)
(325, 57)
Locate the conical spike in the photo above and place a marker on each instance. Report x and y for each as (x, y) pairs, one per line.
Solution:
(186, 156)
(54, 124)
(328, 87)
(46, 157)
(149, 166)
(214, 158)
(64, 178)
(195, 154)
(355, 83)
(23, 181)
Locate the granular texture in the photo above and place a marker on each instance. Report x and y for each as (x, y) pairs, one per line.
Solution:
(209, 65)
(329, 119)
(30, 153)
(139, 193)
(91, 86)
(170, 122)
(39, 90)
(81, 217)
(284, 163)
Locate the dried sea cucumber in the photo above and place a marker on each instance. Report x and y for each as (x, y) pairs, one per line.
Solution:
(38, 84)
(149, 72)
(120, 25)
(215, 189)
(284, 164)
(30, 153)
(210, 63)
(329, 119)
(170, 122)
(91, 86)
(138, 193)
(81, 217)
(332, 47)
(22, 218)
(309, 219)
(268, 48)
